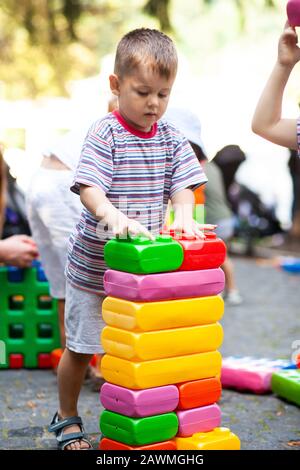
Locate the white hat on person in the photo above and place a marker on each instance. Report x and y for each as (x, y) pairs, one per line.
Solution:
(187, 123)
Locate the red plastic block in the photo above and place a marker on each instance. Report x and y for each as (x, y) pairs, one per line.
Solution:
(44, 361)
(207, 253)
(16, 361)
(110, 444)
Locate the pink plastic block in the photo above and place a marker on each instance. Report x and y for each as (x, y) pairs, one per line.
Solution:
(139, 403)
(248, 373)
(195, 420)
(293, 12)
(164, 286)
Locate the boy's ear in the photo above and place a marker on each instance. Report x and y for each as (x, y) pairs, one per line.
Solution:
(114, 84)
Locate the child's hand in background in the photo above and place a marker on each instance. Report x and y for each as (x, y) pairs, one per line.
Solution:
(288, 51)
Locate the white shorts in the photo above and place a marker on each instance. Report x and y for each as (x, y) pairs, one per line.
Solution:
(83, 321)
(53, 211)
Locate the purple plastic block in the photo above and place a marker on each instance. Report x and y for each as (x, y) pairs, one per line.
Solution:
(293, 12)
(139, 403)
(164, 286)
(195, 420)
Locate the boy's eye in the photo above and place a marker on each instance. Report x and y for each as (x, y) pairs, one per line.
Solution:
(143, 93)
(162, 96)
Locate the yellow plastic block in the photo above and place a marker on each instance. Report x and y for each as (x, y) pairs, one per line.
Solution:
(218, 439)
(159, 344)
(140, 375)
(149, 316)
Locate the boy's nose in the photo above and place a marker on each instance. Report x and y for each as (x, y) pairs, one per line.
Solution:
(153, 101)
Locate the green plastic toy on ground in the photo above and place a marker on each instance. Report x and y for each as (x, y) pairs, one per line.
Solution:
(286, 384)
(138, 431)
(28, 319)
(142, 256)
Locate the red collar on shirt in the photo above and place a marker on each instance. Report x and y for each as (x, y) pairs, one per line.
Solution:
(133, 130)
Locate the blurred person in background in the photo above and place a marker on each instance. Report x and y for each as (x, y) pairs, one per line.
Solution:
(53, 211)
(15, 250)
(217, 210)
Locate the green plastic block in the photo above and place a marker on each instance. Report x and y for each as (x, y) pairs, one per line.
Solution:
(143, 256)
(28, 317)
(138, 431)
(16, 330)
(16, 302)
(286, 384)
(45, 330)
(44, 302)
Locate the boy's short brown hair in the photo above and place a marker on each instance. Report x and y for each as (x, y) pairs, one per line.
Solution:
(146, 46)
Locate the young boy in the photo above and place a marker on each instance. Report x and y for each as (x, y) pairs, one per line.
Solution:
(131, 164)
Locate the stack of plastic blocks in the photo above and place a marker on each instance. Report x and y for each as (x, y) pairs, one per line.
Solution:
(161, 364)
(28, 318)
(250, 373)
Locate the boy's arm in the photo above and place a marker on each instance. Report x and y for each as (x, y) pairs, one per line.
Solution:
(99, 205)
(183, 204)
(267, 120)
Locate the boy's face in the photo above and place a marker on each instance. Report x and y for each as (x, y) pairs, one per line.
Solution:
(143, 96)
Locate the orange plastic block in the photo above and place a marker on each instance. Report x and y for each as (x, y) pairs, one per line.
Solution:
(199, 393)
(150, 316)
(140, 375)
(150, 345)
(110, 444)
(218, 439)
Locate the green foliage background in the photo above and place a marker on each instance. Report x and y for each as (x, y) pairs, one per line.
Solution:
(45, 44)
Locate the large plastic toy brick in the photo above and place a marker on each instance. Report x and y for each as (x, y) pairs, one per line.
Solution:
(28, 317)
(139, 403)
(150, 345)
(138, 431)
(143, 256)
(110, 444)
(218, 439)
(139, 375)
(199, 393)
(195, 420)
(293, 12)
(150, 316)
(249, 373)
(207, 253)
(164, 286)
(286, 384)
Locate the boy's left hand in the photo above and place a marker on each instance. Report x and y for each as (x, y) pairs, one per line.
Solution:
(192, 228)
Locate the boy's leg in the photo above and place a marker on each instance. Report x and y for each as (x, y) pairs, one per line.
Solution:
(61, 322)
(71, 372)
(83, 326)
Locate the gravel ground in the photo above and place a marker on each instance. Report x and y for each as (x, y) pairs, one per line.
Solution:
(265, 325)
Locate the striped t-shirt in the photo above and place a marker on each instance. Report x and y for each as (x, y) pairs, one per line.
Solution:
(138, 172)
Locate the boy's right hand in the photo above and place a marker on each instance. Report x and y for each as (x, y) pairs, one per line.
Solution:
(288, 51)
